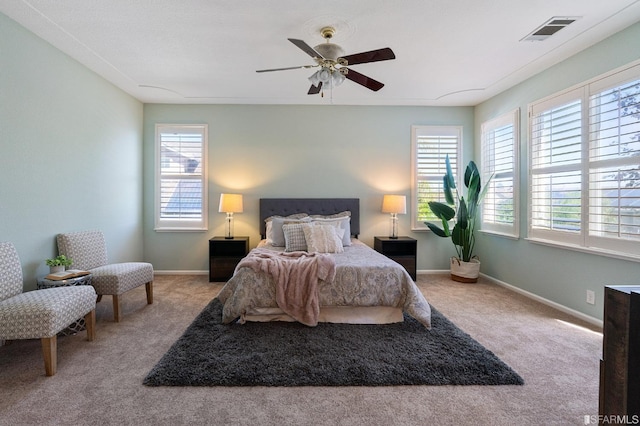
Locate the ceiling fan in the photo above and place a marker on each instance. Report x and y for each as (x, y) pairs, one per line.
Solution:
(333, 64)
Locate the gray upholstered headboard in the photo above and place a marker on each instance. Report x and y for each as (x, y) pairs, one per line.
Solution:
(287, 206)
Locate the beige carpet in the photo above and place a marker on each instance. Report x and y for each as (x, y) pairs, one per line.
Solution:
(100, 382)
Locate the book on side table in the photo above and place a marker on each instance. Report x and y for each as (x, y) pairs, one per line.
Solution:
(65, 275)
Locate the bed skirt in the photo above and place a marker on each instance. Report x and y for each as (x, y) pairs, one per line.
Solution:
(333, 314)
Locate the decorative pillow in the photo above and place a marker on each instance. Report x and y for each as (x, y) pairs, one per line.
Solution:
(345, 213)
(323, 238)
(343, 223)
(277, 234)
(291, 216)
(294, 237)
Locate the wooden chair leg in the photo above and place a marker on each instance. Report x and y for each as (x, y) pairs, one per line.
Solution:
(149, 287)
(50, 354)
(90, 324)
(116, 308)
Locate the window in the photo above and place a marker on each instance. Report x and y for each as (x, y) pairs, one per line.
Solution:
(181, 181)
(429, 147)
(585, 165)
(500, 140)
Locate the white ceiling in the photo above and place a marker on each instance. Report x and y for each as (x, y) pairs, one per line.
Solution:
(448, 52)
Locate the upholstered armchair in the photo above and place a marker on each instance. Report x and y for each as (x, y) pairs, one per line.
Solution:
(88, 250)
(40, 314)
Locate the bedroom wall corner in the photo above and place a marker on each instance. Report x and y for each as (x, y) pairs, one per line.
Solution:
(72, 153)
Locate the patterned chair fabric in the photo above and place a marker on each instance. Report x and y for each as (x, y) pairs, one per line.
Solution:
(10, 272)
(39, 314)
(44, 313)
(88, 251)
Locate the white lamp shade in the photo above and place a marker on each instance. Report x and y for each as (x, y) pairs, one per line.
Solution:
(230, 203)
(394, 204)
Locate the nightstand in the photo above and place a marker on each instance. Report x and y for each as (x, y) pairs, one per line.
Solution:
(402, 249)
(224, 255)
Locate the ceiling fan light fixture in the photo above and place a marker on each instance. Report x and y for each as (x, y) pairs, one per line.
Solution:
(327, 77)
(332, 63)
(324, 75)
(314, 78)
(330, 51)
(321, 76)
(337, 78)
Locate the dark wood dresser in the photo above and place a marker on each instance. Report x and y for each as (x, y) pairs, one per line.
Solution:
(620, 364)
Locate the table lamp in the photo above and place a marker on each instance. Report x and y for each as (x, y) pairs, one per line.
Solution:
(230, 204)
(394, 204)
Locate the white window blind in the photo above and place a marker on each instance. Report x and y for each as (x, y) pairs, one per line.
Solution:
(614, 165)
(500, 138)
(181, 202)
(585, 165)
(556, 168)
(430, 146)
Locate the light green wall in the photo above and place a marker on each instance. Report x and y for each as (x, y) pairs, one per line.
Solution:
(60, 124)
(559, 275)
(298, 151)
(71, 153)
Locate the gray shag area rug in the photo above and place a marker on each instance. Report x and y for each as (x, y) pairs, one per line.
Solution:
(210, 353)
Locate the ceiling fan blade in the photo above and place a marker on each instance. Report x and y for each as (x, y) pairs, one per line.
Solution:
(314, 90)
(367, 82)
(371, 56)
(287, 68)
(305, 47)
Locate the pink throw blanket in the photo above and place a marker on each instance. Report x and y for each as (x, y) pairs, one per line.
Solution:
(296, 275)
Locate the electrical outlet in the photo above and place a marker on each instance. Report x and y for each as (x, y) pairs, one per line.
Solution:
(591, 297)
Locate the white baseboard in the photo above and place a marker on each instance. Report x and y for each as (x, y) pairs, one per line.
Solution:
(562, 308)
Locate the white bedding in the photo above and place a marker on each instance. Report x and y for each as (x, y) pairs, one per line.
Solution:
(368, 288)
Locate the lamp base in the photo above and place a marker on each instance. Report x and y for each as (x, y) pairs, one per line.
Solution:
(394, 226)
(229, 227)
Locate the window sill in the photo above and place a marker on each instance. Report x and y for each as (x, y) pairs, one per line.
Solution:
(499, 234)
(180, 229)
(588, 250)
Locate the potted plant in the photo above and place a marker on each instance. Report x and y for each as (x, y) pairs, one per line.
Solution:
(466, 266)
(58, 263)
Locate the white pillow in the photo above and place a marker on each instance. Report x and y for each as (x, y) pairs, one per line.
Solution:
(276, 235)
(322, 238)
(343, 223)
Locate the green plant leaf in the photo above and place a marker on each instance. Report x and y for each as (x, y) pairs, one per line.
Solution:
(458, 236)
(439, 232)
(463, 219)
(441, 210)
(448, 195)
(449, 174)
(462, 234)
(469, 172)
(473, 193)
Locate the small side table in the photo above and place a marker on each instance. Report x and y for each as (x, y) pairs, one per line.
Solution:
(224, 255)
(44, 283)
(402, 249)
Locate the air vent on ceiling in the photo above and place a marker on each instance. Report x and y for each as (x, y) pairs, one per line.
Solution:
(550, 27)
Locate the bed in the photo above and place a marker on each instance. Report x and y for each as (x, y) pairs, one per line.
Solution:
(366, 288)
